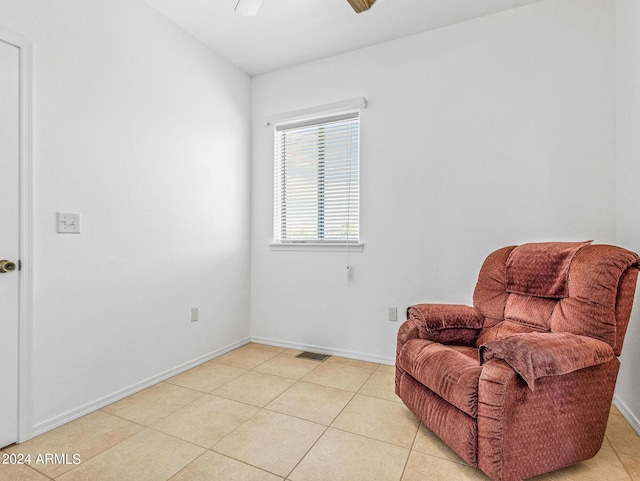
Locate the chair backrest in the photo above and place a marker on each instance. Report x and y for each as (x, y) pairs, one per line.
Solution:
(573, 287)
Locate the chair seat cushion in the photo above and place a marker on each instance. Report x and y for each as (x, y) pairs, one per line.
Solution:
(450, 372)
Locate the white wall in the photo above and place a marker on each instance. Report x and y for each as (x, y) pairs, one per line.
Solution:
(145, 132)
(628, 194)
(492, 132)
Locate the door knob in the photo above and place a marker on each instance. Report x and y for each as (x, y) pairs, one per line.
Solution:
(7, 266)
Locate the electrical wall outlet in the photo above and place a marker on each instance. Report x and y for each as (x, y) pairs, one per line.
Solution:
(393, 314)
(195, 314)
(68, 223)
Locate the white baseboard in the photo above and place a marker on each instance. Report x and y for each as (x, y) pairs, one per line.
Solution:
(69, 416)
(627, 413)
(52, 423)
(326, 350)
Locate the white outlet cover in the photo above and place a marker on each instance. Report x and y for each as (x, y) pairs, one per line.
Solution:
(68, 223)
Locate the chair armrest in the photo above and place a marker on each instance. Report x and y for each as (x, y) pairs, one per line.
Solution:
(538, 354)
(408, 330)
(446, 323)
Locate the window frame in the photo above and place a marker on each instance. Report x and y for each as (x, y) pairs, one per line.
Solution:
(315, 117)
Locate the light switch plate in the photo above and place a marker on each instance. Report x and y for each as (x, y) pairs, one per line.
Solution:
(68, 223)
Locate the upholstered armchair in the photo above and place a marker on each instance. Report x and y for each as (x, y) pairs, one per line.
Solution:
(521, 383)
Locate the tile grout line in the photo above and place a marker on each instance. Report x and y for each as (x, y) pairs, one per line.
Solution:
(152, 426)
(83, 461)
(624, 466)
(330, 426)
(185, 467)
(261, 409)
(264, 408)
(326, 427)
(129, 437)
(406, 463)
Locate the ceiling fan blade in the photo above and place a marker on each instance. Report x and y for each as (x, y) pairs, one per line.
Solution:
(248, 8)
(361, 5)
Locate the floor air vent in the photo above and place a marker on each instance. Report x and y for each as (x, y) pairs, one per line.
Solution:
(313, 356)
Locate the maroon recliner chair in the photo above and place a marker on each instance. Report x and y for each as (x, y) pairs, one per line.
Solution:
(521, 383)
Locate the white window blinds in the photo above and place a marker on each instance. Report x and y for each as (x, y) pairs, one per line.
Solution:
(317, 180)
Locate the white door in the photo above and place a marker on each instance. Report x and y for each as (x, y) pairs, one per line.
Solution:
(9, 239)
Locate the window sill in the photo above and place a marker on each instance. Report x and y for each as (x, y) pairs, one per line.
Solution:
(318, 247)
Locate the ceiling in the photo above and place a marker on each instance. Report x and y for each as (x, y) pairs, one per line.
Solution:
(289, 32)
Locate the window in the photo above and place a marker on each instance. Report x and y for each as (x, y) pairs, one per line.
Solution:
(317, 193)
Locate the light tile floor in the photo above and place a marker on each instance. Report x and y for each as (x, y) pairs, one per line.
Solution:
(259, 413)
